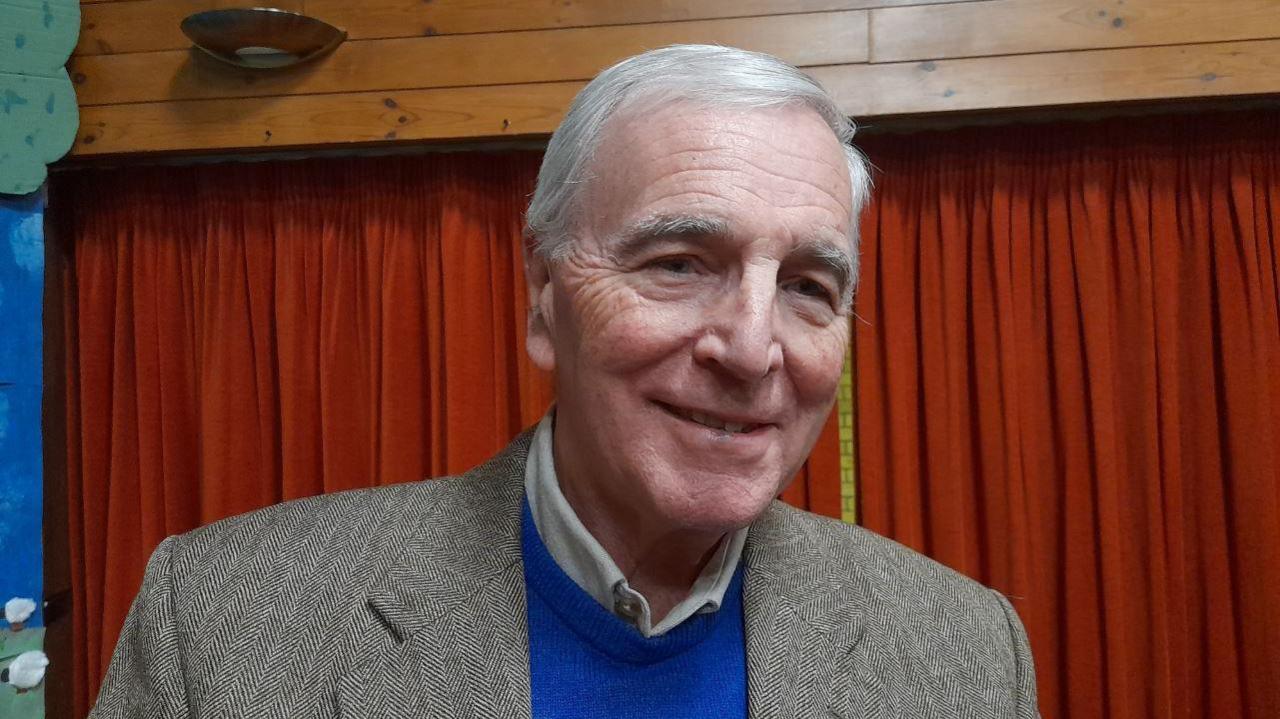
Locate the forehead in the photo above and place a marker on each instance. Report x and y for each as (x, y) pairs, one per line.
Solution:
(766, 171)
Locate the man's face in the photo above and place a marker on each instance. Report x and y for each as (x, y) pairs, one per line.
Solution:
(698, 324)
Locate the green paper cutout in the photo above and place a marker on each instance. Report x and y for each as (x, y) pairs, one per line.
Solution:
(38, 113)
(29, 704)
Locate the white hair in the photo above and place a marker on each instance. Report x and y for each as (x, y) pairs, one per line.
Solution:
(709, 75)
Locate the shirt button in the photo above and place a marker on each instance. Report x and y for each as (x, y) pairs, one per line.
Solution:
(625, 605)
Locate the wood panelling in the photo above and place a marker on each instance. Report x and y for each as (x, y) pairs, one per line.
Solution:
(308, 120)
(1008, 27)
(465, 69)
(463, 60)
(1059, 78)
(147, 25)
(863, 90)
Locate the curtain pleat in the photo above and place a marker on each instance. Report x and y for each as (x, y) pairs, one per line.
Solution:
(244, 334)
(1068, 389)
(1068, 373)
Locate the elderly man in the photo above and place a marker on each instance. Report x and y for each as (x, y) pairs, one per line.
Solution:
(691, 260)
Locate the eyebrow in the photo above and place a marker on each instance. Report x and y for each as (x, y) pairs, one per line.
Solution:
(667, 227)
(823, 248)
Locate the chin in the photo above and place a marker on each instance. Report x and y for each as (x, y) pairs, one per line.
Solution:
(731, 504)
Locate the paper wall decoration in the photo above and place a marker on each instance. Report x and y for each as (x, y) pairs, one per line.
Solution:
(38, 114)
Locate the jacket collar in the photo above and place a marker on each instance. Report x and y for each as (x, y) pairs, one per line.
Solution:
(460, 573)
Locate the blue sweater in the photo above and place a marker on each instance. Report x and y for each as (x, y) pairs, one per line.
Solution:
(586, 662)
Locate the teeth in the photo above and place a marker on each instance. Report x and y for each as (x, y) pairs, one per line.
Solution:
(711, 422)
(733, 427)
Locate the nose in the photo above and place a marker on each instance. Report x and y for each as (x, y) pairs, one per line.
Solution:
(740, 337)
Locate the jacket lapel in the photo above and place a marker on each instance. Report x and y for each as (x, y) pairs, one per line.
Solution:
(448, 634)
(804, 629)
(447, 618)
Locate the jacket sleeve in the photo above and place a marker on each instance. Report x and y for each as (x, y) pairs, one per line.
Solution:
(145, 678)
(1023, 671)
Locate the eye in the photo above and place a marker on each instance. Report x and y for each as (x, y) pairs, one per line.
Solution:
(677, 265)
(811, 288)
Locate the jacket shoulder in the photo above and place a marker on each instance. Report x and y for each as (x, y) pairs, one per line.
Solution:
(323, 524)
(353, 527)
(883, 564)
(925, 630)
(890, 563)
(267, 609)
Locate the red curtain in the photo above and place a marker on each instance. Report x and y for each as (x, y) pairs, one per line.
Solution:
(243, 334)
(1067, 371)
(1069, 388)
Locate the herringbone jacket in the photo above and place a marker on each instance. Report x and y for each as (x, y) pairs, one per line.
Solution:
(409, 601)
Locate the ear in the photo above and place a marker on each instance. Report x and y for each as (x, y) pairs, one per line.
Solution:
(538, 339)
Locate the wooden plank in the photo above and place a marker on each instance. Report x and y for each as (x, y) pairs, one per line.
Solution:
(318, 120)
(1063, 78)
(462, 60)
(1007, 27)
(150, 25)
(1091, 76)
(143, 25)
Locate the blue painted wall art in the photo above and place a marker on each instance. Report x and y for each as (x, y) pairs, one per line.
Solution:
(21, 471)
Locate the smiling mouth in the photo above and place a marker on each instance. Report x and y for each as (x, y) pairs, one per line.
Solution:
(711, 421)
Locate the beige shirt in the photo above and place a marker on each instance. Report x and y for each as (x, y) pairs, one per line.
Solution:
(590, 566)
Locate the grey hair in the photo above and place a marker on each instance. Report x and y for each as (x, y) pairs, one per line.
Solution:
(710, 75)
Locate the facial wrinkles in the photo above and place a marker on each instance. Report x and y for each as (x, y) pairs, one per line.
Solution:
(719, 167)
(727, 189)
(702, 172)
(791, 188)
(605, 305)
(591, 282)
(626, 330)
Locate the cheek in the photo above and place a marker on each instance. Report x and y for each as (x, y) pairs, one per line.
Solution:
(619, 332)
(816, 360)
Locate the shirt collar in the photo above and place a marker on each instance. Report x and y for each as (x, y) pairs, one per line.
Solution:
(586, 562)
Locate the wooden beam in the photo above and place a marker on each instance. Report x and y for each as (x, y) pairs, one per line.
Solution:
(1008, 27)
(1060, 78)
(150, 25)
(1089, 76)
(462, 60)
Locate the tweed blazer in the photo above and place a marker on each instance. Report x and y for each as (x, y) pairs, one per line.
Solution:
(409, 601)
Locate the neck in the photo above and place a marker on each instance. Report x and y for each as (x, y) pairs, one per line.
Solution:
(659, 560)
